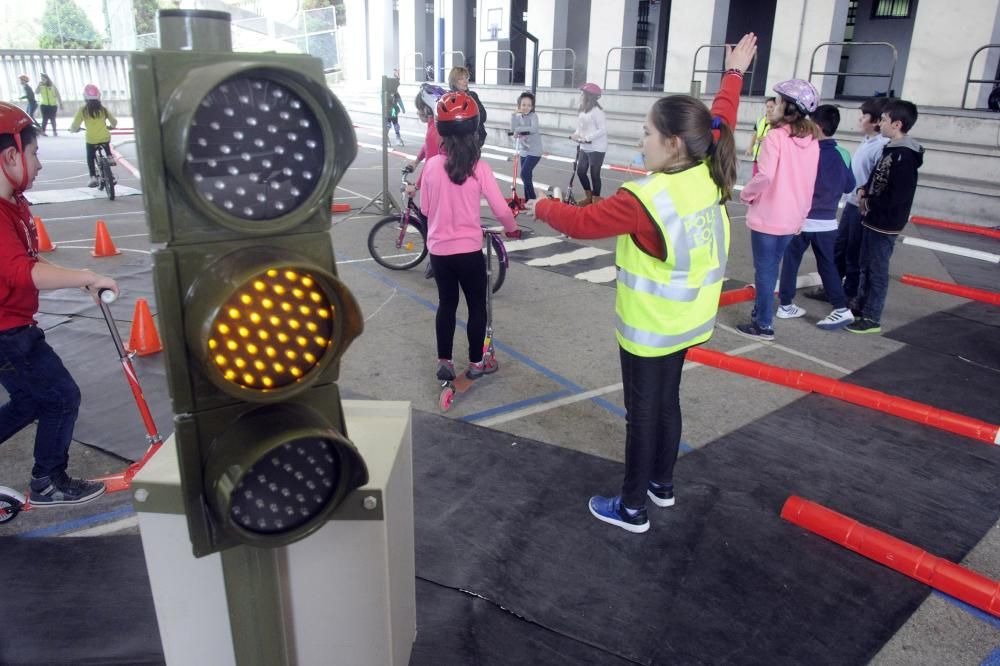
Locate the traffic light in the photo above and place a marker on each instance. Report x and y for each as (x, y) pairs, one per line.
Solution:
(239, 155)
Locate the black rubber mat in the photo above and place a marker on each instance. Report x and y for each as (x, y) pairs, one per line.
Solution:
(970, 334)
(134, 281)
(77, 601)
(963, 270)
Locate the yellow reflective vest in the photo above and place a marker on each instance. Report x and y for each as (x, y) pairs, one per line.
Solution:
(663, 306)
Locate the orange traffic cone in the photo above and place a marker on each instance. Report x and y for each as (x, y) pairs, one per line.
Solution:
(144, 339)
(103, 245)
(44, 243)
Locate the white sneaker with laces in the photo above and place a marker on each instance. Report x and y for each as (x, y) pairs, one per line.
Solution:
(791, 311)
(836, 319)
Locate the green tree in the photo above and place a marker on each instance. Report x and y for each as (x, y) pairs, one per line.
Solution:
(144, 12)
(65, 26)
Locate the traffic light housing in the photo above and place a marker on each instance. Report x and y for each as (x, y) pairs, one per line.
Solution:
(239, 155)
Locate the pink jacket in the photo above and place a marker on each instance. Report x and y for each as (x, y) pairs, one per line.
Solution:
(781, 192)
(453, 214)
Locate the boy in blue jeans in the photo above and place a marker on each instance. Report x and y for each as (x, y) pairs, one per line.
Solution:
(39, 386)
(884, 203)
(833, 179)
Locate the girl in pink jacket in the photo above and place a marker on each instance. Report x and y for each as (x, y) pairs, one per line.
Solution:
(780, 194)
(452, 183)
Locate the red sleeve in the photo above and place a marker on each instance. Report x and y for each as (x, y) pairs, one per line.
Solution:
(727, 100)
(621, 214)
(15, 263)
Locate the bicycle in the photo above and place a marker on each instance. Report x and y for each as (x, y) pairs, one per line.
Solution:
(105, 177)
(399, 242)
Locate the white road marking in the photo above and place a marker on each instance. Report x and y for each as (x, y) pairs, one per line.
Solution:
(599, 275)
(952, 249)
(566, 257)
(106, 528)
(793, 352)
(91, 215)
(81, 247)
(531, 243)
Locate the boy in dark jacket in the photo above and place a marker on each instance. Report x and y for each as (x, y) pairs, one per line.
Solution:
(834, 178)
(884, 203)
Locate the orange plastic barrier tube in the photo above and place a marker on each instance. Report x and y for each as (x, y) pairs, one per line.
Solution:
(740, 295)
(972, 293)
(857, 395)
(907, 559)
(956, 226)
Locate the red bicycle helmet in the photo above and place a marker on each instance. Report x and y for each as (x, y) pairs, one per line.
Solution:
(457, 114)
(13, 120)
(592, 88)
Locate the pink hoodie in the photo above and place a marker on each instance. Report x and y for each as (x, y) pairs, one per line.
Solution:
(780, 194)
(453, 213)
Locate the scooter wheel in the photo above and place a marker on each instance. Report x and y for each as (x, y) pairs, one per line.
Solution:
(9, 508)
(446, 399)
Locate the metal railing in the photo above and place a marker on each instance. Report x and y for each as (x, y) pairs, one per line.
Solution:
(418, 74)
(622, 49)
(461, 60)
(498, 68)
(968, 77)
(70, 71)
(722, 70)
(877, 75)
(571, 69)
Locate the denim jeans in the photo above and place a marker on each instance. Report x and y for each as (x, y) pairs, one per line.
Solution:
(40, 388)
(652, 421)
(767, 252)
(876, 251)
(822, 243)
(847, 251)
(528, 163)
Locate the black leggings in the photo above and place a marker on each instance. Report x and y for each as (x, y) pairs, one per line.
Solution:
(593, 162)
(468, 271)
(92, 156)
(49, 116)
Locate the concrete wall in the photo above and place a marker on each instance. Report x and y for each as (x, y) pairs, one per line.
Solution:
(547, 21)
(799, 26)
(616, 21)
(755, 16)
(897, 32)
(693, 23)
(578, 39)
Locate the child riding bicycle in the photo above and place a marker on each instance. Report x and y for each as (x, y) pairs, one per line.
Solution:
(97, 121)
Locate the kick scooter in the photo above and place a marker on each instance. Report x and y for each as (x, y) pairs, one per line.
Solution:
(515, 202)
(12, 502)
(567, 196)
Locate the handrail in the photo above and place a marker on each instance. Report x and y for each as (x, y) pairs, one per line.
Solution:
(415, 70)
(607, 59)
(890, 75)
(69, 69)
(498, 68)
(695, 70)
(571, 70)
(968, 76)
(461, 62)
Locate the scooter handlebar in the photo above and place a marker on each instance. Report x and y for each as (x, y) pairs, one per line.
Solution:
(107, 296)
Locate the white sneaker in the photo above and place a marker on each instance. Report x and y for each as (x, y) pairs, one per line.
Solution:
(836, 319)
(791, 311)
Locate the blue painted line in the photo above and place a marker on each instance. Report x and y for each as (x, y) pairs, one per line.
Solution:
(531, 363)
(992, 659)
(520, 404)
(70, 525)
(971, 610)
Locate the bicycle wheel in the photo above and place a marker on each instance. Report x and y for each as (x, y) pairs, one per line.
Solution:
(499, 270)
(109, 179)
(396, 248)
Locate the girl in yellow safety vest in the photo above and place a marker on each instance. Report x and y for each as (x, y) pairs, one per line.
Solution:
(673, 239)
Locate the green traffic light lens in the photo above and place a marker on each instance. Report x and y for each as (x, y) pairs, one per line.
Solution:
(272, 331)
(287, 488)
(255, 149)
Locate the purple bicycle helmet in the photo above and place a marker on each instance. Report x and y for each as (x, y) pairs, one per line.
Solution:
(801, 93)
(430, 94)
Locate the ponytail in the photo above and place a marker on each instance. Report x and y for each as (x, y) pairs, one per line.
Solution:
(722, 163)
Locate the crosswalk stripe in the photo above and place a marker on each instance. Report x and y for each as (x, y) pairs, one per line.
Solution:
(531, 243)
(599, 275)
(566, 257)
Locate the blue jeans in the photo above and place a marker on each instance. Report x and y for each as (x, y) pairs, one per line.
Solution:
(40, 389)
(652, 421)
(767, 252)
(528, 163)
(876, 251)
(822, 243)
(846, 253)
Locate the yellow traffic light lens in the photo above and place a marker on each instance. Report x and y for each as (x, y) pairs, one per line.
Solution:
(232, 344)
(286, 488)
(255, 149)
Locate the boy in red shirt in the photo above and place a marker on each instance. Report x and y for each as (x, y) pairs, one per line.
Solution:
(39, 386)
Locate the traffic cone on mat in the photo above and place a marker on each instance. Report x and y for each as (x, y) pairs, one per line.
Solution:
(44, 243)
(144, 339)
(103, 245)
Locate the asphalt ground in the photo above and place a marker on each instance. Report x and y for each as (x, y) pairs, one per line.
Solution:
(559, 380)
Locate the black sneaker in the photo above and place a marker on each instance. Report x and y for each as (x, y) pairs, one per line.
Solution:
(864, 325)
(817, 294)
(662, 494)
(446, 370)
(752, 330)
(429, 271)
(61, 489)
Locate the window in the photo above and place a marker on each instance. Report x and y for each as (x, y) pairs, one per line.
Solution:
(883, 9)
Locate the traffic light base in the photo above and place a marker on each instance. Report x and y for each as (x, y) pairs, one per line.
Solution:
(347, 590)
